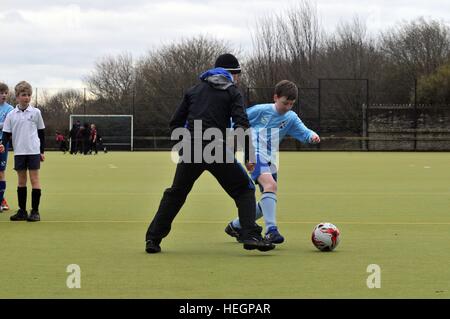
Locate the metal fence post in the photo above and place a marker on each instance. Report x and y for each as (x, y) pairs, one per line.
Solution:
(364, 142)
(319, 105)
(415, 114)
(84, 101)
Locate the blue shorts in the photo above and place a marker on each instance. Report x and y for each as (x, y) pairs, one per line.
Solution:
(27, 162)
(3, 159)
(263, 167)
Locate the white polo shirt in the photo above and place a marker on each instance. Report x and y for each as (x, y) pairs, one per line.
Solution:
(24, 126)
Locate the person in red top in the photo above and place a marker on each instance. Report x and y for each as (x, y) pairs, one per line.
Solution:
(62, 142)
(93, 139)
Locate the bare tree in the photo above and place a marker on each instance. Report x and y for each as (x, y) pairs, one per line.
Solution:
(113, 81)
(418, 47)
(286, 46)
(57, 108)
(350, 52)
(163, 74)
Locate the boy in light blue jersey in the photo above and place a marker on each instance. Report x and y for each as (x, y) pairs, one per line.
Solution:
(270, 123)
(5, 108)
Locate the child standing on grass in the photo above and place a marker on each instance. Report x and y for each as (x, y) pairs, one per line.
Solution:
(271, 123)
(25, 126)
(62, 142)
(5, 108)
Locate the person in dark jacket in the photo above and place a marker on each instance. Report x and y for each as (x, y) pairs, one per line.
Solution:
(212, 102)
(85, 136)
(74, 137)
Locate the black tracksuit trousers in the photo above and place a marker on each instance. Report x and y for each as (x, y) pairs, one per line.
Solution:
(233, 179)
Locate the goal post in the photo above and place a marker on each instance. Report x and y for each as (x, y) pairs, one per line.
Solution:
(116, 131)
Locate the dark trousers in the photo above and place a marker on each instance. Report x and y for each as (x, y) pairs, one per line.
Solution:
(233, 179)
(94, 147)
(63, 146)
(86, 146)
(73, 146)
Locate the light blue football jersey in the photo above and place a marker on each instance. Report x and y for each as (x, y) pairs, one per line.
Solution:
(270, 127)
(5, 108)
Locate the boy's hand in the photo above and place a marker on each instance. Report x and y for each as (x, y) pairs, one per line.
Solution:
(2, 148)
(42, 157)
(250, 166)
(315, 139)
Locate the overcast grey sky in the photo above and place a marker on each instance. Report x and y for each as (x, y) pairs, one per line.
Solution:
(55, 43)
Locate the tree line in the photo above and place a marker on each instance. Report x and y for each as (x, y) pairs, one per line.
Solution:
(406, 63)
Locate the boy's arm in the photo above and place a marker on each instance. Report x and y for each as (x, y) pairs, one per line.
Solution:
(240, 120)
(299, 131)
(6, 125)
(3, 122)
(238, 114)
(6, 137)
(41, 135)
(253, 112)
(179, 117)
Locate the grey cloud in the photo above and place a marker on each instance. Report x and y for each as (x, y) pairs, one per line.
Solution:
(107, 5)
(64, 45)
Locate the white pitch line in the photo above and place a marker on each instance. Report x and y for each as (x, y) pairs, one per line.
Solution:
(281, 194)
(112, 166)
(222, 222)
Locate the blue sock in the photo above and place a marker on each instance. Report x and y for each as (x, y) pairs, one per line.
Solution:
(2, 190)
(259, 214)
(268, 205)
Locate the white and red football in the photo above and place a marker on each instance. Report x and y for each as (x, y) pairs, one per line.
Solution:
(325, 236)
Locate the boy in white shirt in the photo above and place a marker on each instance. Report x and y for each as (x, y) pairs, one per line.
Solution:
(25, 126)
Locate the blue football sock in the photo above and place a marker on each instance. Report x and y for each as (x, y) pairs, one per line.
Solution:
(268, 204)
(236, 223)
(259, 214)
(2, 190)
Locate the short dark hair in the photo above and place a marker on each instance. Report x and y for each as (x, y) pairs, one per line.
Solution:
(286, 88)
(3, 87)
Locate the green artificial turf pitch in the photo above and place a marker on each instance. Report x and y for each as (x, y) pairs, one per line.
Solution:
(393, 210)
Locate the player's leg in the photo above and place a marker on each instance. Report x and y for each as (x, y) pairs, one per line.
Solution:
(79, 147)
(234, 227)
(235, 181)
(173, 199)
(72, 146)
(36, 189)
(20, 165)
(268, 205)
(3, 162)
